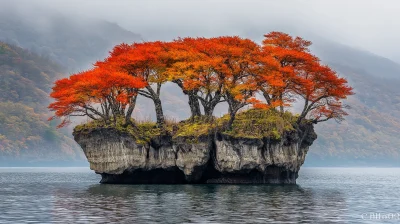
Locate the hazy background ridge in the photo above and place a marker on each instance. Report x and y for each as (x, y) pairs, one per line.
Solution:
(359, 39)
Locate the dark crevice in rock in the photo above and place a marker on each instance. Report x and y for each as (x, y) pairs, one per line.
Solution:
(210, 170)
(147, 153)
(140, 176)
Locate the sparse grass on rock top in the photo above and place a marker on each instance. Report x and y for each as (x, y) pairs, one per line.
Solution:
(195, 128)
(258, 123)
(253, 123)
(141, 131)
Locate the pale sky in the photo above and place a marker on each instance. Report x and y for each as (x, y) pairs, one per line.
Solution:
(373, 25)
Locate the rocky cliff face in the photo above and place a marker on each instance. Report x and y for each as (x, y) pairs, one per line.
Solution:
(217, 158)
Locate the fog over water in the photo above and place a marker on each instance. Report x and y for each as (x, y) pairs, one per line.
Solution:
(363, 24)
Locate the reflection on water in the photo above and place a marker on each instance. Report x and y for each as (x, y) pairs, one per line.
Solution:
(73, 196)
(206, 203)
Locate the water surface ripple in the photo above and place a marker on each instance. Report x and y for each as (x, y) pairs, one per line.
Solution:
(323, 195)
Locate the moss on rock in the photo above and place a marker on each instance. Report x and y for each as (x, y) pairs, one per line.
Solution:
(257, 123)
(142, 132)
(253, 123)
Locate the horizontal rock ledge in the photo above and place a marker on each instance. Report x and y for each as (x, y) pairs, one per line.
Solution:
(214, 158)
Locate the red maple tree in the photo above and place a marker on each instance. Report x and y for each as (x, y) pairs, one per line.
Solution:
(209, 71)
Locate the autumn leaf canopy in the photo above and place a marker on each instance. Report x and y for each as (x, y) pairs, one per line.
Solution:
(209, 71)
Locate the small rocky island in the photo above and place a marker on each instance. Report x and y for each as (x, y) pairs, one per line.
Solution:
(202, 156)
(258, 141)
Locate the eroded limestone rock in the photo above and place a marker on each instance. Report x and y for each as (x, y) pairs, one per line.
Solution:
(217, 158)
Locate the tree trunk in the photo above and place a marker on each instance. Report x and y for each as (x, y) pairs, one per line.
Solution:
(208, 110)
(159, 113)
(231, 119)
(281, 108)
(155, 96)
(193, 101)
(209, 104)
(129, 112)
(194, 105)
(267, 98)
(234, 107)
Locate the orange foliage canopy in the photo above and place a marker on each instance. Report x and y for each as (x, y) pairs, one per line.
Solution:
(215, 69)
(300, 74)
(210, 71)
(147, 61)
(97, 93)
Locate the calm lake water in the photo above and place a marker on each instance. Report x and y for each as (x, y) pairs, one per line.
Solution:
(323, 195)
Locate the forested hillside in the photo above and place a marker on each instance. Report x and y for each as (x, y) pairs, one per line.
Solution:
(34, 52)
(25, 134)
(369, 136)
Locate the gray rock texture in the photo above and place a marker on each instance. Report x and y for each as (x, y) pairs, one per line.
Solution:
(216, 158)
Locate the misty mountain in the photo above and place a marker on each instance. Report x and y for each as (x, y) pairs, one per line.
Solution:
(25, 134)
(51, 49)
(371, 64)
(72, 42)
(369, 136)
